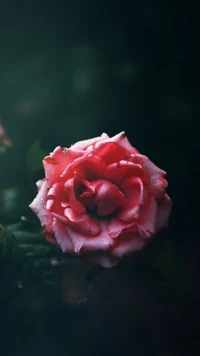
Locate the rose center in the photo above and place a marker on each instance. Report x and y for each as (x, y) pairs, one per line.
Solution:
(102, 197)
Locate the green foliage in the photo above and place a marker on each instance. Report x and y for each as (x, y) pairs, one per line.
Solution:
(25, 264)
(35, 156)
(8, 253)
(30, 262)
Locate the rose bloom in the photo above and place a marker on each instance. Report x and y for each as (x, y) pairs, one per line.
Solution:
(101, 199)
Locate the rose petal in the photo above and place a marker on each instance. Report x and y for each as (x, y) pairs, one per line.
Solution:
(108, 197)
(83, 223)
(87, 196)
(76, 205)
(132, 187)
(157, 184)
(54, 196)
(122, 140)
(50, 203)
(116, 227)
(117, 172)
(38, 207)
(88, 167)
(62, 236)
(83, 244)
(50, 238)
(57, 161)
(82, 145)
(147, 220)
(56, 191)
(89, 191)
(54, 199)
(126, 244)
(109, 151)
(61, 218)
(39, 183)
(163, 213)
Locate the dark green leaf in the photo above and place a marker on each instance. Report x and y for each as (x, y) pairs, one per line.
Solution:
(26, 258)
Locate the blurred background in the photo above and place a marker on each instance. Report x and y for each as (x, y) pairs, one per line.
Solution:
(71, 70)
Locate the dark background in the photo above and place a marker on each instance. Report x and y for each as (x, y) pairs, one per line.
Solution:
(71, 70)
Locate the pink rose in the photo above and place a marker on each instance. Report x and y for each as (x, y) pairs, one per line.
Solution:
(101, 199)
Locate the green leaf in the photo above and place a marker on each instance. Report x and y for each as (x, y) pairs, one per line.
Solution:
(26, 260)
(35, 156)
(7, 245)
(9, 257)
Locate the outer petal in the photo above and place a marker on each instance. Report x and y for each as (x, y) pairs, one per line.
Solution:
(116, 227)
(82, 145)
(83, 244)
(62, 236)
(39, 183)
(51, 238)
(163, 213)
(147, 221)
(82, 224)
(117, 172)
(38, 207)
(132, 187)
(109, 151)
(126, 244)
(123, 141)
(157, 184)
(57, 161)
